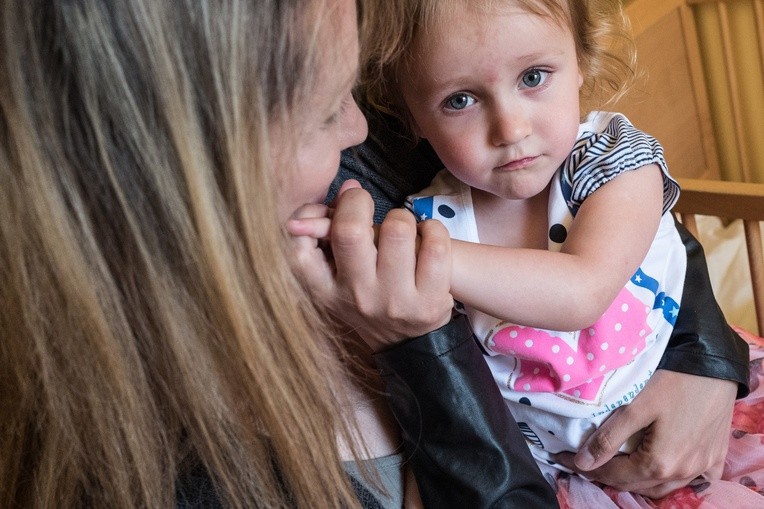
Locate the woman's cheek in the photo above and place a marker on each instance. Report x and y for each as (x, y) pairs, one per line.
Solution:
(309, 181)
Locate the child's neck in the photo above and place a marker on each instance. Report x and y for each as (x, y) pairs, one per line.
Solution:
(512, 223)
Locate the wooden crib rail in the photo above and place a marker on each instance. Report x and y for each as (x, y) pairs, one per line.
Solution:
(730, 200)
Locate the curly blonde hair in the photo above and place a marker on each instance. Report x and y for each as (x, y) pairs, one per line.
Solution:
(601, 31)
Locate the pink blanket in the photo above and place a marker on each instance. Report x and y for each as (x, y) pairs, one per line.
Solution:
(742, 483)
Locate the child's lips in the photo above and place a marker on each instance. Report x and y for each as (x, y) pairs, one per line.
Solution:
(518, 164)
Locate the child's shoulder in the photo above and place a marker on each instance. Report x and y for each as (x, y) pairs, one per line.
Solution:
(608, 134)
(597, 122)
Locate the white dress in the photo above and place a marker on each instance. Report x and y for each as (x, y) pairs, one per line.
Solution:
(560, 385)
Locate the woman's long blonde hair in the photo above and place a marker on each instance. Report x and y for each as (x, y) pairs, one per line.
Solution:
(150, 323)
(601, 31)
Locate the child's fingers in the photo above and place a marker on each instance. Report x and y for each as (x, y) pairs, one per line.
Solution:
(314, 227)
(310, 210)
(310, 220)
(312, 262)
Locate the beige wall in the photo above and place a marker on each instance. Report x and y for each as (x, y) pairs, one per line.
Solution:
(730, 35)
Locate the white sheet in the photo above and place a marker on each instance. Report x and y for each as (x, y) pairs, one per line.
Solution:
(728, 265)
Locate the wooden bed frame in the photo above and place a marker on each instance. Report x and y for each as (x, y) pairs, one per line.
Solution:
(730, 200)
(672, 103)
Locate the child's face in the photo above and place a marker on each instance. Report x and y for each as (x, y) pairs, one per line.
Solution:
(496, 95)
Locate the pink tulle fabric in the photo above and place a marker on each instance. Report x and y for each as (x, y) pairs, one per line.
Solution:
(741, 485)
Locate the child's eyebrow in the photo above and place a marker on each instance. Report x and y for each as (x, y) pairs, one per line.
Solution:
(436, 87)
(535, 56)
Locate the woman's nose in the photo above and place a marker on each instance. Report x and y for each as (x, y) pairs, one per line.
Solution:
(354, 125)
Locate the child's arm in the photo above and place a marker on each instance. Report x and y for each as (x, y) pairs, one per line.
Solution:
(569, 290)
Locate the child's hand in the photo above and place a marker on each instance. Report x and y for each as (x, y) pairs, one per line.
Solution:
(310, 228)
(314, 221)
(312, 259)
(310, 221)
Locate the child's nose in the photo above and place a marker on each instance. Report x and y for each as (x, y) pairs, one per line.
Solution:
(509, 126)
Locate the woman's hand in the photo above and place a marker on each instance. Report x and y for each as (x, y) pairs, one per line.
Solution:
(686, 421)
(388, 290)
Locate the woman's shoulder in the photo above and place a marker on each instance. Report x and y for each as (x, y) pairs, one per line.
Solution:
(195, 489)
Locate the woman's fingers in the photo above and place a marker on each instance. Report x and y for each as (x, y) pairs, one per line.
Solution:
(667, 408)
(352, 240)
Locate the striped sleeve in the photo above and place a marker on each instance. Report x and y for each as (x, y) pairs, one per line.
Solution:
(600, 155)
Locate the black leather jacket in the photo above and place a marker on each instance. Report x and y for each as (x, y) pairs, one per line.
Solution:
(702, 343)
(465, 447)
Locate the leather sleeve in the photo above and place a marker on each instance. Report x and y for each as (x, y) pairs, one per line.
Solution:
(466, 449)
(703, 343)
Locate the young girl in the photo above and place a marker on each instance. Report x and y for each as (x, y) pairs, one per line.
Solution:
(558, 225)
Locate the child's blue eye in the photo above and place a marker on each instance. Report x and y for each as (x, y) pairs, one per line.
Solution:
(459, 101)
(534, 77)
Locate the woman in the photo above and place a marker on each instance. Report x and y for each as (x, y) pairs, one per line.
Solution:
(156, 347)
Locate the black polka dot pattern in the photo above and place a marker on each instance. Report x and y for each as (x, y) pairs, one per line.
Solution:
(446, 211)
(558, 233)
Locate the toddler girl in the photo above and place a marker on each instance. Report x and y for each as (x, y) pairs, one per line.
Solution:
(566, 257)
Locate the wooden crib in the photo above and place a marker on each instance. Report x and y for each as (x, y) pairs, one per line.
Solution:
(701, 94)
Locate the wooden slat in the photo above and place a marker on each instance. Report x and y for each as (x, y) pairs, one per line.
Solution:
(730, 200)
(689, 222)
(756, 264)
(698, 2)
(722, 199)
(700, 92)
(734, 89)
(758, 9)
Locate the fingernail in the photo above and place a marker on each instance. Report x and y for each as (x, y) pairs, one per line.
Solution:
(584, 459)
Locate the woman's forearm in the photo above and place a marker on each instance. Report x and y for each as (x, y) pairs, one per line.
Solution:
(466, 449)
(702, 342)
